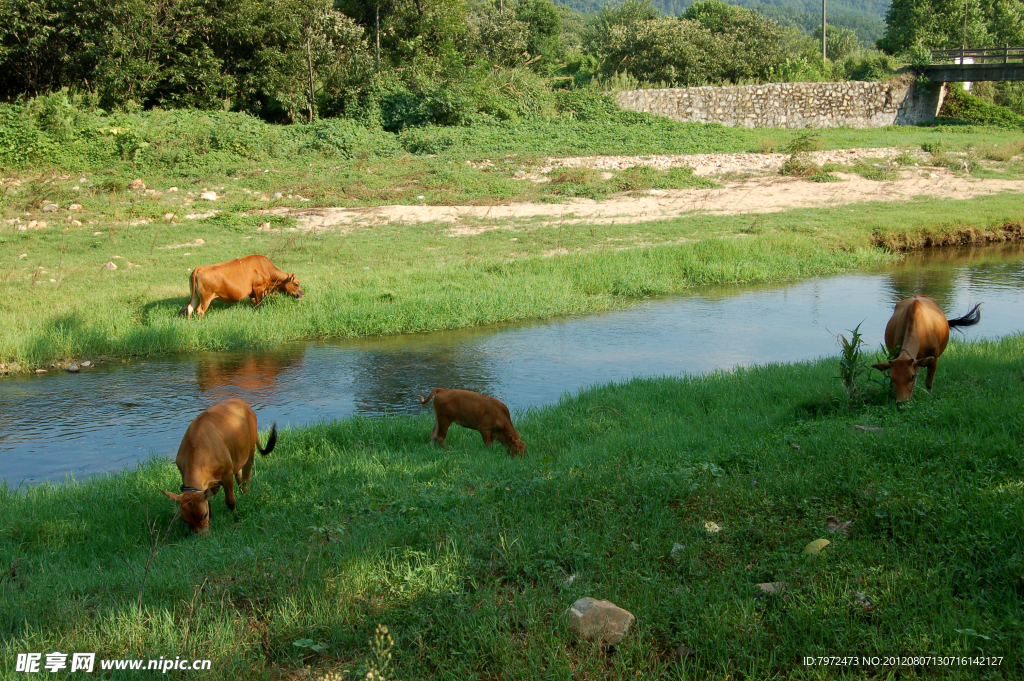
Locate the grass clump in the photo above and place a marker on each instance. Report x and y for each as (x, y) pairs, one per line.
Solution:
(800, 164)
(467, 555)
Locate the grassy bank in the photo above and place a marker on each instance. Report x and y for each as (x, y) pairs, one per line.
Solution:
(59, 303)
(466, 555)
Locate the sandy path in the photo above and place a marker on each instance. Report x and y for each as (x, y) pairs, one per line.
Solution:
(765, 194)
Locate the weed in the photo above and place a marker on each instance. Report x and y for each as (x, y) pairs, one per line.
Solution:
(852, 365)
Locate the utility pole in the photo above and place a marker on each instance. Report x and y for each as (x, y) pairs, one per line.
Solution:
(824, 52)
(376, 31)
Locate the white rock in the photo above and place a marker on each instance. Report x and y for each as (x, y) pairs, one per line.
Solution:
(172, 189)
(75, 206)
(769, 588)
(168, 216)
(276, 195)
(209, 196)
(86, 363)
(136, 184)
(76, 223)
(50, 207)
(110, 266)
(600, 620)
(72, 368)
(22, 256)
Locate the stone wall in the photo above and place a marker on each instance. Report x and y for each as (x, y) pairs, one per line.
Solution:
(793, 105)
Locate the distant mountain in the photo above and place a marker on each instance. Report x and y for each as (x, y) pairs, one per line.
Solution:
(872, 9)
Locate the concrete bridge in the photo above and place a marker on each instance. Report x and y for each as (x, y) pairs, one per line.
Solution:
(974, 65)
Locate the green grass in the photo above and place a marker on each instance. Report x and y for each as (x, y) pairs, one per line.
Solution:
(465, 554)
(389, 279)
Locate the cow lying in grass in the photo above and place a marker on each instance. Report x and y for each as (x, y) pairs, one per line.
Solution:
(219, 448)
(920, 330)
(478, 412)
(253, 277)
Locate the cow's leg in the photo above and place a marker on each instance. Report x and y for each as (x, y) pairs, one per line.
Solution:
(442, 431)
(205, 303)
(245, 475)
(433, 433)
(931, 374)
(229, 490)
(486, 435)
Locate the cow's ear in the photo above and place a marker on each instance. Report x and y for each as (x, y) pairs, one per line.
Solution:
(176, 498)
(926, 362)
(291, 277)
(209, 492)
(884, 366)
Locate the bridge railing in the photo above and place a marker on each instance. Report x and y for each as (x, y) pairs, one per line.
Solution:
(987, 55)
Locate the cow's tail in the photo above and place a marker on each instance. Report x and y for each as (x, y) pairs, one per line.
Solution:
(969, 319)
(183, 312)
(271, 441)
(430, 396)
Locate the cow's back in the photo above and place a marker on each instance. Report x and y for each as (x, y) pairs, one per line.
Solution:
(226, 428)
(919, 326)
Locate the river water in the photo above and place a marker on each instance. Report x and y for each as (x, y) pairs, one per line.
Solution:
(113, 415)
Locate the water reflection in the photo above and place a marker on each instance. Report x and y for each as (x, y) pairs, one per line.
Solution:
(115, 414)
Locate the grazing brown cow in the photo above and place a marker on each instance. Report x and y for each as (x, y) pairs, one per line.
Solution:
(478, 412)
(253, 277)
(921, 331)
(218, 449)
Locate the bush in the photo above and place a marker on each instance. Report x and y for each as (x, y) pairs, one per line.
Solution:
(963, 106)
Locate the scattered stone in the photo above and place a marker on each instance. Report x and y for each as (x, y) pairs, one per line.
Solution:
(75, 188)
(22, 256)
(209, 196)
(12, 221)
(265, 227)
(569, 580)
(200, 242)
(712, 527)
(835, 525)
(869, 429)
(276, 195)
(172, 189)
(600, 620)
(75, 206)
(684, 651)
(40, 371)
(860, 599)
(815, 547)
(72, 368)
(769, 589)
(136, 184)
(76, 223)
(97, 233)
(793, 445)
(86, 364)
(21, 228)
(50, 208)
(677, 550)
(110, 266)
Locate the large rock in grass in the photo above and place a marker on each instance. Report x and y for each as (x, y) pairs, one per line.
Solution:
(601, 621)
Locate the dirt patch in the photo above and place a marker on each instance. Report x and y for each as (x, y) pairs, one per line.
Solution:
(765, 194)
(723, 164)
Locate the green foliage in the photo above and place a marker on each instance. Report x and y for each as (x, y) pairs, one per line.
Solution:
(941, 24)
(963, 106)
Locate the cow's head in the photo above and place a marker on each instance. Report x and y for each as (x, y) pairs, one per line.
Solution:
(515, 446)
(903, 372)
(291, 287)
(195, 509)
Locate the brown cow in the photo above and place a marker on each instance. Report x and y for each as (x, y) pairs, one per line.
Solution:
(478, 412)
(921, 331)
(219, 448)
(253, 276)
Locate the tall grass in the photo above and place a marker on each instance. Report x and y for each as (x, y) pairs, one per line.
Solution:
(465, 555)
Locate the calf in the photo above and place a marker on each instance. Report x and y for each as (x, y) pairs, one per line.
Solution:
(253, 277)
(218, 449)
(921, 332)
(478, 412)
